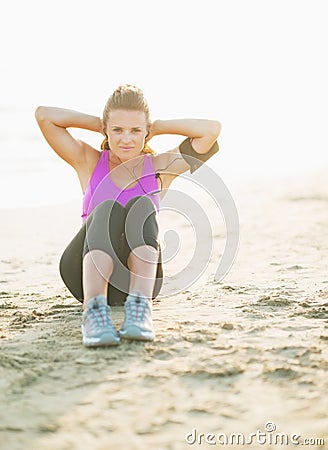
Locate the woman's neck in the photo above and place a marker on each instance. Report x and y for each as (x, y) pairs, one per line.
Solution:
(114, 160)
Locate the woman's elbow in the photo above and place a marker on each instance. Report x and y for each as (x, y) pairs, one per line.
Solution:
(41, 113)
(215, 128)
(210, 137)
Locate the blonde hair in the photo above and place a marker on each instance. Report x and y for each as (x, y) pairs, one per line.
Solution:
(128, 97)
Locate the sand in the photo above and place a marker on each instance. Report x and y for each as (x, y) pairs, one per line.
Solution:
(244, 354)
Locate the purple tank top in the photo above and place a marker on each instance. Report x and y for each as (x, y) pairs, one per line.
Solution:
(101, 187)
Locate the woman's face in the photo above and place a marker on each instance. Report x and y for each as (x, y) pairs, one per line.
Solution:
(126, 131)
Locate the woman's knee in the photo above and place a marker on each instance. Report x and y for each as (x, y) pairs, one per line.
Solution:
(108, 207)
(141, 226)
(105, 227)
(140, 202)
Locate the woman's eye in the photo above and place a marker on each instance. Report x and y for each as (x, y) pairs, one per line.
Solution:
(119, 130)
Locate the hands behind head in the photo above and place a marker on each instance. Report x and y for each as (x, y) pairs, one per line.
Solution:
(151, 132)
(101, 127)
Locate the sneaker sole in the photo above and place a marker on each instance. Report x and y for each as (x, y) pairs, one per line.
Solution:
(135, 333)
(105, 340)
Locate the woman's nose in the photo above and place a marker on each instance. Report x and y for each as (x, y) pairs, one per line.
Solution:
(126, 136)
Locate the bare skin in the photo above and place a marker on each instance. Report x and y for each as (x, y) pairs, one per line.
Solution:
(98, 267)
(127, 133)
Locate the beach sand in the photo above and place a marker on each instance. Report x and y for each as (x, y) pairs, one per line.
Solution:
(245, 354)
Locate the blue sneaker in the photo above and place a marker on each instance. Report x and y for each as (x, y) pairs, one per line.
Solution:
(138, 324)
(98, 329)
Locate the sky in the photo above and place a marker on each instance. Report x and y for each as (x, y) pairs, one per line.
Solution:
(258, 66)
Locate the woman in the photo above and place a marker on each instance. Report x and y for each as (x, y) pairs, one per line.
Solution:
(115, 257)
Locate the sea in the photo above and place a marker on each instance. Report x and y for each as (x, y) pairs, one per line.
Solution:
(32, 174)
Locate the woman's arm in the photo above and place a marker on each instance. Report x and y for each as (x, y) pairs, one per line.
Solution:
(54, 122)
(203, 134)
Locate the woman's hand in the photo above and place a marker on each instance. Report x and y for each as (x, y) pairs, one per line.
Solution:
(101, 127)
(151, 132)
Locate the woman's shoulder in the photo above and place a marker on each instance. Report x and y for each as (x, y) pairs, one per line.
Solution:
(151, 161)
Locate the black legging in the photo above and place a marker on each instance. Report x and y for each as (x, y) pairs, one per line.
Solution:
(116, 230)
